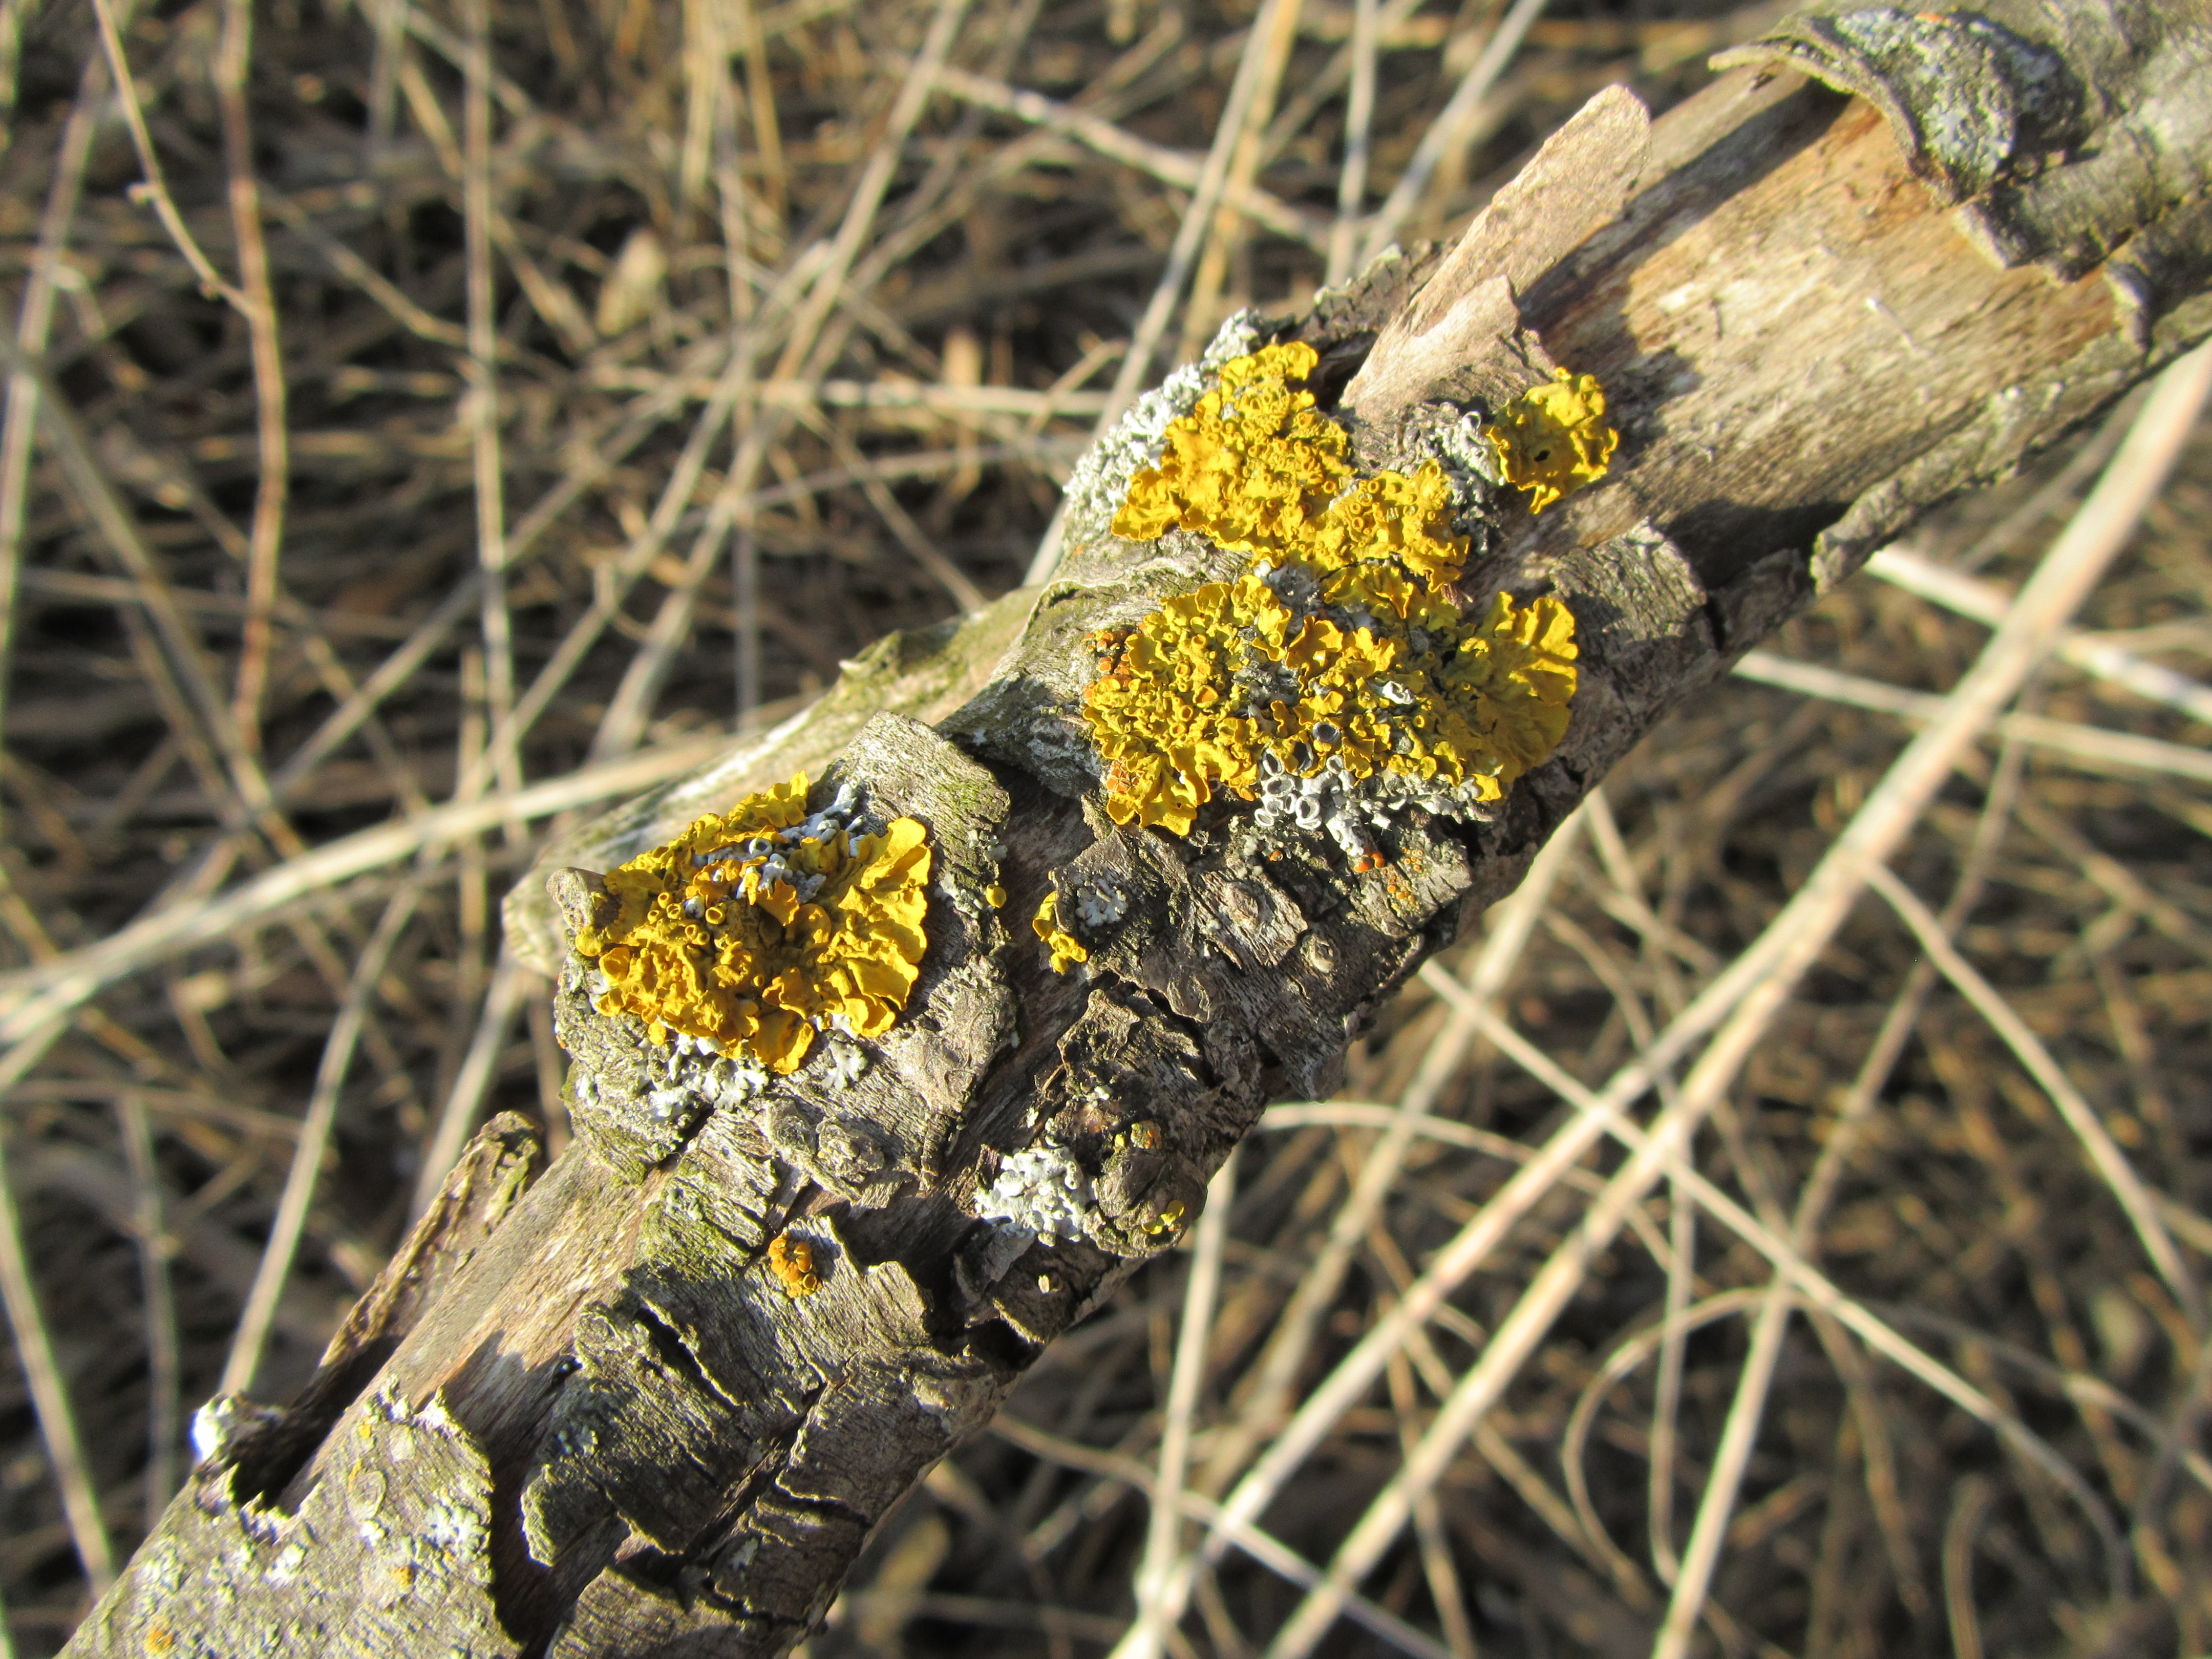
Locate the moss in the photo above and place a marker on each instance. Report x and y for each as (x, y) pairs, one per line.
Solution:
(1553, 439)
(756, 929)
(1340, 650)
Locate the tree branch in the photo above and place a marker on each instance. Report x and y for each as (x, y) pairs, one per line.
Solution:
(610, 1418)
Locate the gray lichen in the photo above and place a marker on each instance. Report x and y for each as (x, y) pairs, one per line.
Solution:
(232, 1576)
(1043, 1190)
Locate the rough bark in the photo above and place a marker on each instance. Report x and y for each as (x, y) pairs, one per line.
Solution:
(595, 1420)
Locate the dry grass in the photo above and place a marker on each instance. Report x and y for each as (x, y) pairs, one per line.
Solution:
(381, 457)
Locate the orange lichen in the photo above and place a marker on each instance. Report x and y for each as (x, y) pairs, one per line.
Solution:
(791, 1261)
(1553, 439)
(1066, 949)
(756, 929)
(1339, 649)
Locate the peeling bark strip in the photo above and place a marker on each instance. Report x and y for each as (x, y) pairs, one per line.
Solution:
(2066, 134)
(655, 1407)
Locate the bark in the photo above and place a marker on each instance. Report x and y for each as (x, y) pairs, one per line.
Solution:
(592, 1420)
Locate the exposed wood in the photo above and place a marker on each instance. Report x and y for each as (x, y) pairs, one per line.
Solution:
(619, 1430)
(1462, 329)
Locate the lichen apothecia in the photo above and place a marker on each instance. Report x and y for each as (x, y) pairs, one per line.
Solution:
(1339, 655)
(757, 929)
(791, 1259)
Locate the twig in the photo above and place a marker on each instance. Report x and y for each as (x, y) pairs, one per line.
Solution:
(2091, 748)
(1746, 1409)
(33, 997)
(705, 53)
(2104, 1154)
(12, 15)
(1392, 28)
(1429, 1531)
(1268, 1551)
(948, 576)
(760, 95)
(2124, 885)
(1627, 1355)
(1667, 1400)
(628, 709)
(1181, 254)
(1371, 1114)
(1815, 1287)
(731, 199)
(484, 419)
(1444, 134)
(34, 1348)
(251, 1334)
(502, 1001)
(1358, 129)
(1163, 1534)
(364, 275)
(1170, 167)
(502, 756)
(1226, 230)
(257, 302)
(1969, 1503)
(868, 192)
(163, 1366)
(156, 189)
(1985, 602)
(181, 646)
(33, 323)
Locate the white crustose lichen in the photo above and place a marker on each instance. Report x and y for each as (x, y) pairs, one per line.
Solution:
(1043, 1190)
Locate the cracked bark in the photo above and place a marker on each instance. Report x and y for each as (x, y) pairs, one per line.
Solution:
(590, 1419)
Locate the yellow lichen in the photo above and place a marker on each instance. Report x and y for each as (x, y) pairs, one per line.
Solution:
(1340, 645)
(1553, 439)
(754, 930)
(791, 1261)
(1250, 465)
(1066, 949)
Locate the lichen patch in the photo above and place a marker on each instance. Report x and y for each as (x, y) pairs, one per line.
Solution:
(1066, 949)
(757, 929)
(1339, 651)
(1553, 439)
(1043, 1189)
(791, 1260)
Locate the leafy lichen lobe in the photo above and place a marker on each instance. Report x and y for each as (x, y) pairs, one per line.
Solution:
(1340, 649)
(757, 929)
(1066, 950)
(1553, 439)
